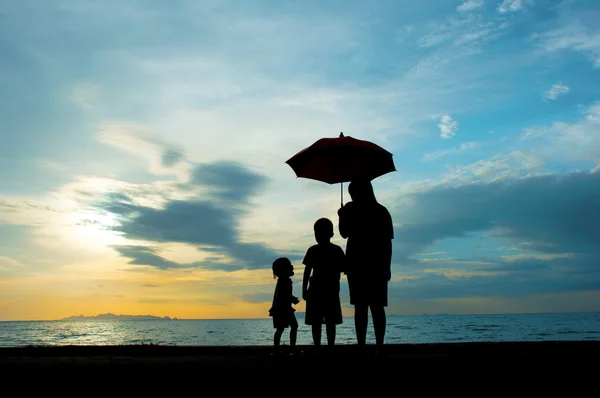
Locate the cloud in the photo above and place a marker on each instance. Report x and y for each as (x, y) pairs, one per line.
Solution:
(86, 95)
(470, 5)
(555, 91)
(151, 256)
(143, 255)
(139, 140)
(580, 36)
(9, 263)
(438, 36)
(230, 180)
(209, 222)
(593, 113)
(26, 211)
(552, 213)
(510, 6)
(458, 32)
(404, 33)
(171, 157)
(578, 141)
(503, 279)
(448, 127)
(467, 33)
(498, 167)
(463, 147)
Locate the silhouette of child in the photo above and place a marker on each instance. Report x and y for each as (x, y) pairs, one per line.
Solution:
(324, 263)
(281, 310)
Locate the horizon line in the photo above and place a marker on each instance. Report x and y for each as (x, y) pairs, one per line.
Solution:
(298, 313)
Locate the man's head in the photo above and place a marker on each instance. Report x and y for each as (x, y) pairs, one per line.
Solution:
(361, 190)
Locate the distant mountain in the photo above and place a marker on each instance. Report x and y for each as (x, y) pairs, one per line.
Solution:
(110, 316)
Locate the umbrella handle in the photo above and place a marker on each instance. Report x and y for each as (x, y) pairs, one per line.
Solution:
(342, 184)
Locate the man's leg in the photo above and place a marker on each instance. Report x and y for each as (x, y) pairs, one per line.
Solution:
(316, 335)
(379, 323)
(361, 321)
(330, 329)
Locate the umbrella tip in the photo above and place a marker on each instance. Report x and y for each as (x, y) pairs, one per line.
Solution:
(341, 134)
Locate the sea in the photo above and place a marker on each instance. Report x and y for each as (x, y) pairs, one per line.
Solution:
(259, 332)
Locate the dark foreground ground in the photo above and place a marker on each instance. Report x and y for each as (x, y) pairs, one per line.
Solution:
(548, 366)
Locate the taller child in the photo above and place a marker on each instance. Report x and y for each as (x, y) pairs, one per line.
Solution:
(321, 283)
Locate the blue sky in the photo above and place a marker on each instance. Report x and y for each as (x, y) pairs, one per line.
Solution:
(144, 144)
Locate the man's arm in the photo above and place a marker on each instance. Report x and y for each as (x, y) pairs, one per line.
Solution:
(344, 221)
(391, 224)
(389, 261)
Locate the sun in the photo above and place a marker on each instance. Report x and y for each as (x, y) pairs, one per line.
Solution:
(95, 228)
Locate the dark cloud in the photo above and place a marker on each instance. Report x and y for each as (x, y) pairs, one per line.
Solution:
(142, 255)
(209, 223)
(508, 279)
(196, 223)
(171, 157)
(229, 180)
(551, 213)
(554, 219)
(531, 265)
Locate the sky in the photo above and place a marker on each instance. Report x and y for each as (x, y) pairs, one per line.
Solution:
(143, 149)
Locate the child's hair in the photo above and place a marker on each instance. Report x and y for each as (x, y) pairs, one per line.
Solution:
(325, 226)
(278, 264)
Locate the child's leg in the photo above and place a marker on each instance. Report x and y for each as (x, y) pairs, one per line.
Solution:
(293, 330)
(277, 337)
(330, 330)
(316, 335)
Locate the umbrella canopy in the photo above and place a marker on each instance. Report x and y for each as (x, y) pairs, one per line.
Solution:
(342, 159)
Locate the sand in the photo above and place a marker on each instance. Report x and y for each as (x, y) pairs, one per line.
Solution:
(543, 364)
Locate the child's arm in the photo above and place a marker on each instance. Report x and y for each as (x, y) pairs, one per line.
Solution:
(273, 308)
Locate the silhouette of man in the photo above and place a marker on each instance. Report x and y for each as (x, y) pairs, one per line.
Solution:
(368, 227)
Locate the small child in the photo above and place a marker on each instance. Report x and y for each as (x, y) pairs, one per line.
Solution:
(281, 310)
(324, 264)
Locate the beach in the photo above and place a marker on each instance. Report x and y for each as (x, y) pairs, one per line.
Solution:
(515, 361)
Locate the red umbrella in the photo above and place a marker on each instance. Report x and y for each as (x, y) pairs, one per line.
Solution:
(341, 159)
